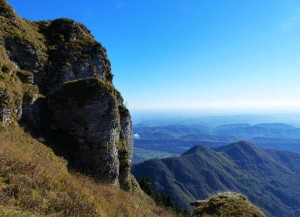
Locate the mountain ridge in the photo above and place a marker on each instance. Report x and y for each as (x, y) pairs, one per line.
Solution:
(259, 175)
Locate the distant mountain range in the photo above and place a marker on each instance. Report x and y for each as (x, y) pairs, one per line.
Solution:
(154, 120)
(246, 131)
(173, 140)
(271, 179)
(229, 132)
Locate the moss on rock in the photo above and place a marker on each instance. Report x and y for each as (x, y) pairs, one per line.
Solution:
(82, 90)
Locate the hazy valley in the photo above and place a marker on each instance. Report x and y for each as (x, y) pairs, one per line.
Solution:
(155, 139)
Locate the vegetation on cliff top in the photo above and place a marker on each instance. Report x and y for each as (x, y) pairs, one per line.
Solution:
(21, 30)
(84, 90)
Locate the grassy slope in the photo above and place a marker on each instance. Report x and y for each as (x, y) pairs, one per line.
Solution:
(35, 182)
(227, 205)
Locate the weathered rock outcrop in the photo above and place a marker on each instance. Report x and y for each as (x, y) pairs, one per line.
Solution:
(55, 77)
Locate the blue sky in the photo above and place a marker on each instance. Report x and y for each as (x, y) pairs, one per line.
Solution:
(221, 56)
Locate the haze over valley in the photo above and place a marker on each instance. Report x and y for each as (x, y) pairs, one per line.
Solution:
(162, 137)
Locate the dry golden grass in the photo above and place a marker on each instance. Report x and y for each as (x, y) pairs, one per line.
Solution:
(227, 204)
(35, 182)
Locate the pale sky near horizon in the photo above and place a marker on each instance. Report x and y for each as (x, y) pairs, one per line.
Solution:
(233, 56)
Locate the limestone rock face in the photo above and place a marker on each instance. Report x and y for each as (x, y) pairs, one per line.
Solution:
(55, 77)
(72, 53)
(5, 112)
(87, 112)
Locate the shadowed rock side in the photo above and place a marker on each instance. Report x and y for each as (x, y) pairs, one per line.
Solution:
(56, 78)
(226, 205)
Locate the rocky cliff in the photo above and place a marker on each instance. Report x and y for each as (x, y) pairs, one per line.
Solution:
(56, 79)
